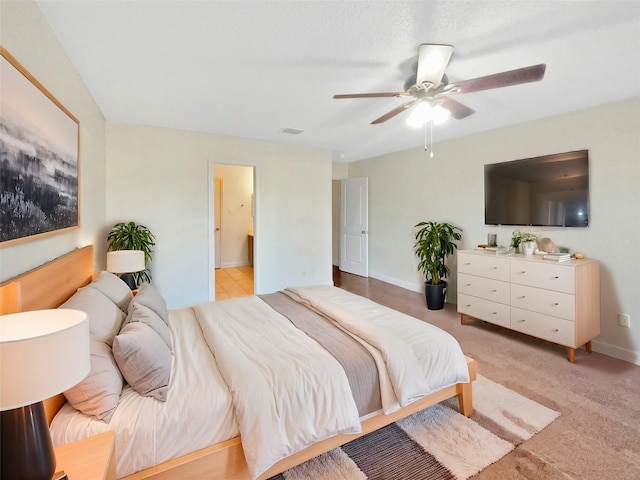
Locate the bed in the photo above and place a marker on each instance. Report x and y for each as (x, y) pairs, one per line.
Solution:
(213, 442)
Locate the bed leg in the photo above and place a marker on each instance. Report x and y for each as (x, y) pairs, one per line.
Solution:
(465, 399)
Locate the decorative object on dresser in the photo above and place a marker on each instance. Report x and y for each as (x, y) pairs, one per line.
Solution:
(36, 363)
(555, 301)
(518, 239)
(133, 236)
(126, 263)
(434, 242)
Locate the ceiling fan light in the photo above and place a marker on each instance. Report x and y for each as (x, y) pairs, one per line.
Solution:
(440, 114)
(420, 115)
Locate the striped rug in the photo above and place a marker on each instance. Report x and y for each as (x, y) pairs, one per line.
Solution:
(437, 443)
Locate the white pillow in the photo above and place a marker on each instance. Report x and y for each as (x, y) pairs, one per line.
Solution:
(144, 360)
(114, 288)
(140, 313)
(105, 318)
(99, 393)
(151, 298)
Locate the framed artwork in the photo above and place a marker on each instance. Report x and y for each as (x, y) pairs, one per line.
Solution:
(39, 158)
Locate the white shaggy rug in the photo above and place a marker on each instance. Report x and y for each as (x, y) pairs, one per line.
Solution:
(437, 443)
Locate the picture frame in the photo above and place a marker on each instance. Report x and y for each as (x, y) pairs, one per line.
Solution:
(39, 159)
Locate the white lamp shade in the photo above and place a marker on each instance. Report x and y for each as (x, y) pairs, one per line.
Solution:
(42, 353)
(125, 261)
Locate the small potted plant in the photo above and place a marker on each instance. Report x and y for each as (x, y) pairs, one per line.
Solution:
(518, 238)
(434, 242)
(132, 236)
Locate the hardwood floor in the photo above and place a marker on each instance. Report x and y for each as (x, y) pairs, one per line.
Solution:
(596, 437)
(234, 282)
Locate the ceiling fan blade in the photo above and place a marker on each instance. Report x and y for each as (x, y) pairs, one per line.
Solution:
(457, 110)
(370, 95)
(432, 62)
(395, 112)
(530, 74)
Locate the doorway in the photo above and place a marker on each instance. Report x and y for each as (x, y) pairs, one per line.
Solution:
(232, 220)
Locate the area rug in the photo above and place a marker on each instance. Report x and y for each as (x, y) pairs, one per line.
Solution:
(437, 443)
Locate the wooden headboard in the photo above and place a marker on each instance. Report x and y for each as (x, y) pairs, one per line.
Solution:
(48, 286)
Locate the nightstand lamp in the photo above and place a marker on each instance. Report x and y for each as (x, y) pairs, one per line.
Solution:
(42, 353)
(126, 262)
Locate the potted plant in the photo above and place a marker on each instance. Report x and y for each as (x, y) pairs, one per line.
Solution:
(132, 236)
(434, 242)
(518, 238)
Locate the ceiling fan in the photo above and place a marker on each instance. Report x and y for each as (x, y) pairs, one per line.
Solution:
(431, 85)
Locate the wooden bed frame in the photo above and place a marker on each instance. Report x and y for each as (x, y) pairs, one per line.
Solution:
(52, 284)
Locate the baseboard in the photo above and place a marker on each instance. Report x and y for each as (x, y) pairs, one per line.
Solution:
(616, 352)
(398, 283)
(235, 264)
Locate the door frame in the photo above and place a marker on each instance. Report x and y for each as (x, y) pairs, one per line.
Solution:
(211, 260)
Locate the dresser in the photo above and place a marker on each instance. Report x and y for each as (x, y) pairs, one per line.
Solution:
(555, 301)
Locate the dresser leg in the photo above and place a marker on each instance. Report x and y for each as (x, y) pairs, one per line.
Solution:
(572, 354)
(463, 318)
(587, 346)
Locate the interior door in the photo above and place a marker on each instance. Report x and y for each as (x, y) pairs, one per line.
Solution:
(217, 192)
(354, 226)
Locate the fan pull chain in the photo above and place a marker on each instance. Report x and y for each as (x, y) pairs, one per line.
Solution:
(430, 122)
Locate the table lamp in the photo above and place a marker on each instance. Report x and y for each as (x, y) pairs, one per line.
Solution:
(42, 353)
(125, 262)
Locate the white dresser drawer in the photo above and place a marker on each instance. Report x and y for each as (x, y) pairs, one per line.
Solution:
(557, 304)
(486, 288)
(484, 265)
(543, 274)
(482, 309)
(550, 328)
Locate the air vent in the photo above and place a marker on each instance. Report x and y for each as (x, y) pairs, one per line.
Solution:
(293, 131)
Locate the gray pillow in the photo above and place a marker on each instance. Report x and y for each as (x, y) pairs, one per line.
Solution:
(105, 318)
(151, 298)
(99, 393)
(140, 313)
(114, 288)
(144, 360)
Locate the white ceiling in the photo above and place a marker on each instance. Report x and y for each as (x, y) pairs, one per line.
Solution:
(254, 68)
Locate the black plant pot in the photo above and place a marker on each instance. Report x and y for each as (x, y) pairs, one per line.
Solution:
(435, 295)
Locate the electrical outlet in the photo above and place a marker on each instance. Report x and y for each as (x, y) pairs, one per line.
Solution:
(624, 320)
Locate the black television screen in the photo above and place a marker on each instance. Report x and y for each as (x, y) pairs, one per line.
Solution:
(552, 190)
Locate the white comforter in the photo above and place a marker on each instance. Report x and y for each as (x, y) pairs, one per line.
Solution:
(288, 392)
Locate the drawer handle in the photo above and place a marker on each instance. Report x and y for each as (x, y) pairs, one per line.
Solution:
(494, 291)
(468, 305)
(556, 277)
(520, 321)
(494, 268)
(494, 313)
(523, 296)
(468, 263)
(556, 330)
(467, 284)
(522, 272)
(556, 304)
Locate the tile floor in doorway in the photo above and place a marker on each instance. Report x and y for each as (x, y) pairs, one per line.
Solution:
(234, 282)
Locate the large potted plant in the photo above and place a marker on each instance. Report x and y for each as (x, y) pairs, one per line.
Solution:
(434, 242)
(132, 236)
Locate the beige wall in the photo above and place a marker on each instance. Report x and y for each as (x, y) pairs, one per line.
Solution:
(160, 178)
(26, 35)
(408, 187)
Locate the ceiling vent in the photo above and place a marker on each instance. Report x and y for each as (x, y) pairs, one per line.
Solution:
(293, 131)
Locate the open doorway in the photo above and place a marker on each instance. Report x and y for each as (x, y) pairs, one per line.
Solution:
(233, 212)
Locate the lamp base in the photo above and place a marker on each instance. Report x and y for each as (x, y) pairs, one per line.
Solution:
(27, 451)
(129, 280)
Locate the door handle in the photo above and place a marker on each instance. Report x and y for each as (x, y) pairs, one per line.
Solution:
(364, 232)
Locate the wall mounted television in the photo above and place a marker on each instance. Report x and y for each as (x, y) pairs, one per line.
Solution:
(547, 191)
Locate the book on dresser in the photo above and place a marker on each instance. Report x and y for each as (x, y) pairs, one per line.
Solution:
(555, 301)
(557, 257)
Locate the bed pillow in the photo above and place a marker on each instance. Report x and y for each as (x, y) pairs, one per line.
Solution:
(144, 360)
(99, 393)
(114, 288)
(105, 318)
(151, 298)
(140, 313)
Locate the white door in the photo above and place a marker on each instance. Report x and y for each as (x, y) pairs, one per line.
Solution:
(217, 193)
(354, 226)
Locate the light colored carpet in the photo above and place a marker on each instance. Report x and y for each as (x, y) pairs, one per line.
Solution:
(437, 443)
